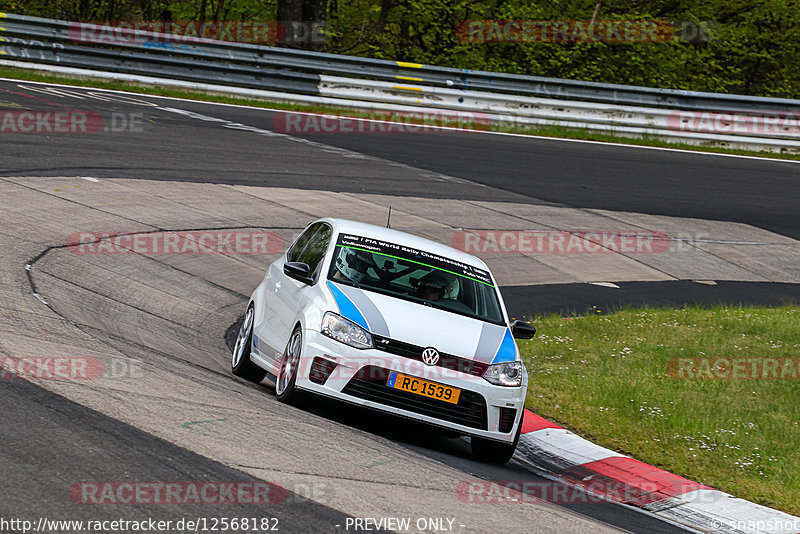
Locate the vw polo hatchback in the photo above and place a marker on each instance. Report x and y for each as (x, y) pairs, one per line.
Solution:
(392, 322)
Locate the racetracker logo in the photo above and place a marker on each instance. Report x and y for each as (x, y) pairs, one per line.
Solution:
(435, 121)
(583, 492)
(403, 371)
(171, 35)
(752, 123)
(572, 31)
(560, 242)
(191, 242)
(177, 493)
(710, 368)
(66, 368)
(50, 122)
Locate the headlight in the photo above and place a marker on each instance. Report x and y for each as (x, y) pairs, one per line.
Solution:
(504, 374)
(347, 332)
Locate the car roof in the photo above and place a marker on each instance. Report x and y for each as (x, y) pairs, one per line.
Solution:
(391, 235)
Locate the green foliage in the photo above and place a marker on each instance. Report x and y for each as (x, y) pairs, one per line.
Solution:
(750, 47)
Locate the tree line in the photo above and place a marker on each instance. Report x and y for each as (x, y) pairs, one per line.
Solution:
(733, 46)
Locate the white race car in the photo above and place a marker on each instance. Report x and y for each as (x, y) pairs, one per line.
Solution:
(393, 322)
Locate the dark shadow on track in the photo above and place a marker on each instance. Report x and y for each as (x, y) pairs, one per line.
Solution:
(54, 444)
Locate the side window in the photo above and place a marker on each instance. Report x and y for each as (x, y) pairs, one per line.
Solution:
(315, 250)
(300, 243)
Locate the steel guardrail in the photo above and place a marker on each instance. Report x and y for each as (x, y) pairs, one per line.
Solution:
(48, 30)
(350, 81)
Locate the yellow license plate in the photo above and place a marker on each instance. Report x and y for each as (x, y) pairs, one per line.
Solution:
(423, 387)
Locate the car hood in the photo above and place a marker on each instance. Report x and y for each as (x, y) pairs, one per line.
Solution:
(413, 323)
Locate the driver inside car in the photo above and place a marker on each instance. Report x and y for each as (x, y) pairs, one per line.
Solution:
(353, 266)
(435, 286)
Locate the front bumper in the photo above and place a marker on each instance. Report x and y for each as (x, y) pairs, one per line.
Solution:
(359, 377)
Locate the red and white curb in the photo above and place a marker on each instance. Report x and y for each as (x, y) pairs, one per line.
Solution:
(616, 477)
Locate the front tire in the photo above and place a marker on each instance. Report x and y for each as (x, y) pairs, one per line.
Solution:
(493, 452)
(285, 390)
(240, 358)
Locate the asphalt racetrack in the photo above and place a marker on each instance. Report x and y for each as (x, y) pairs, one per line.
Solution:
(173, 412)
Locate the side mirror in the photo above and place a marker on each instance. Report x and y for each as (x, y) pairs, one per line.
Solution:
(297, 270)
(522, 330)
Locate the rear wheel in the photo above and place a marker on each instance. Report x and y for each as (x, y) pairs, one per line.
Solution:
(285, 390)
(240, 359)
(494, 452)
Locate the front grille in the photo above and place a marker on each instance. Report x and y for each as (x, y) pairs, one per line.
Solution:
(370, 384)
(414, 352)
(507, 416)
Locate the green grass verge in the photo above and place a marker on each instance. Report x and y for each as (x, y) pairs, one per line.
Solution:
(547, 131)
(614, 380)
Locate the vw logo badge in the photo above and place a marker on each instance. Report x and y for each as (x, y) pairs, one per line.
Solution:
(430, 356)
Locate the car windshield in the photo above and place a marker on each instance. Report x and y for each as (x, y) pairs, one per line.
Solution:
(416, 276)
